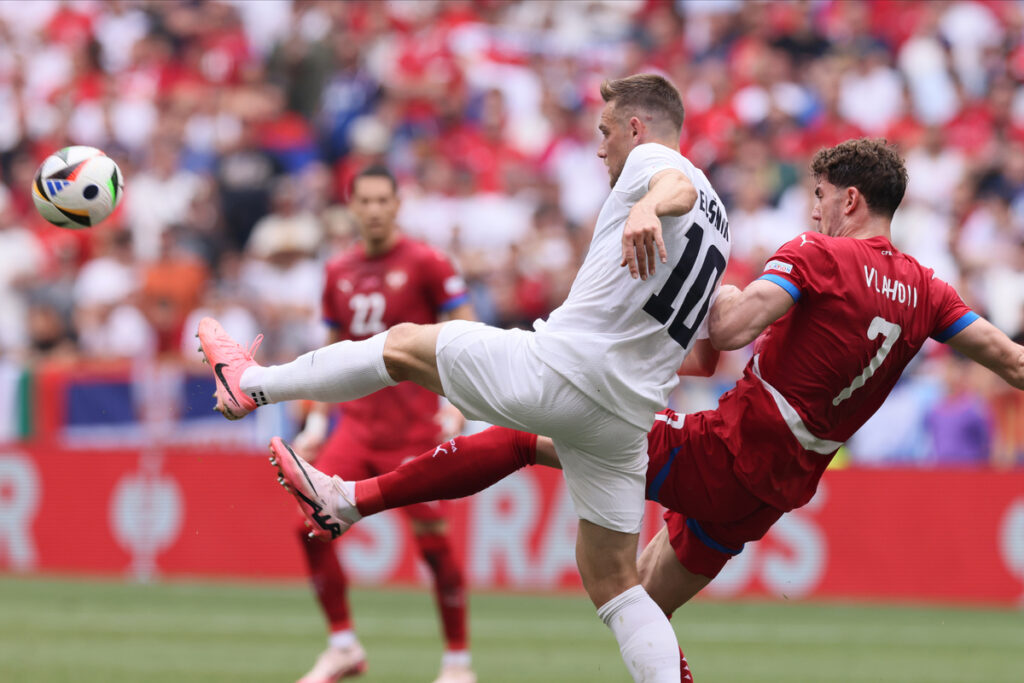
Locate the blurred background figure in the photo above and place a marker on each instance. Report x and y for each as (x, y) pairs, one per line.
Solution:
(283, 273)
(961, 425)
(108, 318)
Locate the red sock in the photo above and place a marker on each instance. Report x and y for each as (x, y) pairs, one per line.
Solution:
(449, 588)
(328, 579)
(684, 669)
(454, 469)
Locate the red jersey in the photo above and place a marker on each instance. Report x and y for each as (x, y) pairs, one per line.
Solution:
(364, 295)
(863, 310)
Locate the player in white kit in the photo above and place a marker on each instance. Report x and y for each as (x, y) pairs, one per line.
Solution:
(591, 377)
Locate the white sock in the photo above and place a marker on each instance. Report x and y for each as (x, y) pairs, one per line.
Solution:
(342, 640)
(458, 658)
(335, 373)
(345, 503)
(646, 639)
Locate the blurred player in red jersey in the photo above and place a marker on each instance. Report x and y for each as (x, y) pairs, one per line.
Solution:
(837, 315)
(384, 280)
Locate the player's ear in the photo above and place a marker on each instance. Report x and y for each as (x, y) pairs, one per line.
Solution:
(852, 200)
(636, 127)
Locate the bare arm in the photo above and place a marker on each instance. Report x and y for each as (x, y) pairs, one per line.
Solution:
(701, 361)
(737, 317)
(984, 343)
(670, 193)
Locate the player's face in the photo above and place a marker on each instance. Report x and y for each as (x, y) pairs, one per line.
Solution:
(375, 206)
(828, 207)
(616, 141)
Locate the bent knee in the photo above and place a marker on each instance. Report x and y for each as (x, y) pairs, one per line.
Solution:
(401, 349)
(410, 354)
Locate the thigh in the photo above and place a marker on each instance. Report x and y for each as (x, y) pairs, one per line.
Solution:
(495, 375)
(485, 372)
(607, 486)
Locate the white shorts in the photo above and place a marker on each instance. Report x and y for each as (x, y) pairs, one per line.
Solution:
(496, 376)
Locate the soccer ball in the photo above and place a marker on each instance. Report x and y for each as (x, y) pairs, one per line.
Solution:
(77, 187)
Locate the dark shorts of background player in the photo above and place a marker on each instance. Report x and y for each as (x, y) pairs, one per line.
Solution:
(711, 514)
(347, 457)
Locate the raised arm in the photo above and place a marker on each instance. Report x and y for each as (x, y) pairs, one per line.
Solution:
(984, 343)
(670, 193)
(737, 317)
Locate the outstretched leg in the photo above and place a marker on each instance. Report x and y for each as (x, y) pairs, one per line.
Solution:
(454, 469)
(339, 372)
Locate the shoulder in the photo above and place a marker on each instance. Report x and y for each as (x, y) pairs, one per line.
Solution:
(913, 264)
(651, 157)
(655, 155)
(343, 260)
(643, 162)
(422, 252)
(811, 245)
(656, 150)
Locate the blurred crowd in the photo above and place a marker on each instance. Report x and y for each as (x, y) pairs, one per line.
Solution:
(239, 125)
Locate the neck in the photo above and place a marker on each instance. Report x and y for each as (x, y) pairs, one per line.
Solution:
(376, 248)
(670, 141)
(874, 226)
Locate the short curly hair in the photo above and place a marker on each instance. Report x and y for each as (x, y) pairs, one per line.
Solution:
(873, 166)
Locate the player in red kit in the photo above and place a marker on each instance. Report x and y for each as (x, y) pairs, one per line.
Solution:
(384, 280)
(837, 315)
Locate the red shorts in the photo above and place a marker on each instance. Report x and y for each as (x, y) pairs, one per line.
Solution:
(352, 460)
(711, 514)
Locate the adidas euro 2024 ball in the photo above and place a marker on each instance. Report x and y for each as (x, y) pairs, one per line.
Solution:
(77, 187)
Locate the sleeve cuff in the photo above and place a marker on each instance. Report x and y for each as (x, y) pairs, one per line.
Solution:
(790, 288)
(454, 302)
(964, 320)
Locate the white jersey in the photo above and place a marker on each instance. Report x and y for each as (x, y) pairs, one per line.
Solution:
(622, 340)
